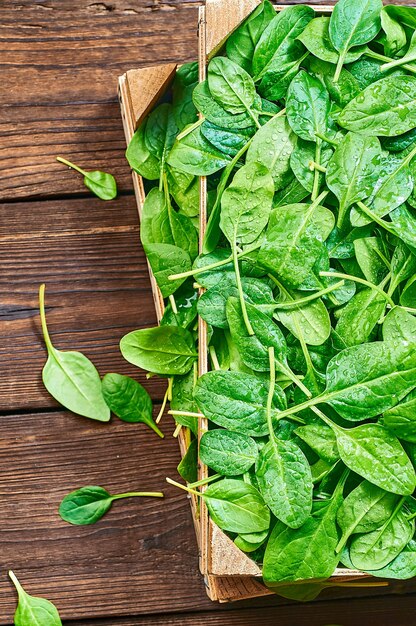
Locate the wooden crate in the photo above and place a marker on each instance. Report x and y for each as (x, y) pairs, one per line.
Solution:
(229, 574)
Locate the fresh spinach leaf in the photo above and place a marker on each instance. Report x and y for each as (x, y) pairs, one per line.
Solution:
(101, 184)
(33, 611)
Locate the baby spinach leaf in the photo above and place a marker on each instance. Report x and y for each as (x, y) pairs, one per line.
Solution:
(385, 108)
(402, 567)
(369, 255)
(285, 481)
(242, 541)
(236, 506)
(188, 467)
(272, 146)
(399, 328)
(408, 295)
(231, 86)
(352, 171)
(241, 43)
(87, 505)
(310, 321)
(71, 378)
(183, 400)
(401, 419)
(395, 35)
(227, 140)
(353, 24)
(291, 553)
(101, 184)
(372, 452)
(128, 400)
(215, 113)
(226, 452)
(237, 401)
(193, 154)
(246, 204)
(294, 240)
(165, 350)
(316, 39)
(307, 106)
(359, 317)
(160, 133)
(166, 260)
(278, 44)
(33, 611)
(301, 158)
(364, 510)
(378, 548)
(185, 312)
(140, 159)
(321, 439)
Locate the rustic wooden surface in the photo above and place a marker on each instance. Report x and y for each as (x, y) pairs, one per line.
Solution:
(60, 62)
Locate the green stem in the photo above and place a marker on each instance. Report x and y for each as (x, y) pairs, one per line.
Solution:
(397, 62)
(204, 481)
(332, 142)
(20, 591)
(162, 408)
(340, 64)
(382, 57)
(214, 358)
(188, 489)
(240, 286)
(362, 281)
(270, 395)
(185, 413)
(154, 427)
(213, 266)
(45, 331)
(173, 304)
(313, 165)
(71, 165)
(288, 372)
(301, 301)
(133, 494)
(315, 190)
(375, 218)
(190, 128)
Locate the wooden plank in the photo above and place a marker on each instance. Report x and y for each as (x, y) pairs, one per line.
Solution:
(140, 558)
(369, 611)
(88, 254)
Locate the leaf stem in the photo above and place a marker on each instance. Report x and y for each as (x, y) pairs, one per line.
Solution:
(397, 62)
(71, 165)
(362, 281)
(213, 266)
(162, 408)
(240, 287)
(340, 64)
(301, 301)
(20, 591)
(270, 395)
(313, 165)
(382, 57)
(204, 481)
(188, 489)
(185, 414)
(214, 358)
(45, 331)
(315, 190)
(173, 304)
(186, 131)
(154, 427)
(133, 494)
(327, 139)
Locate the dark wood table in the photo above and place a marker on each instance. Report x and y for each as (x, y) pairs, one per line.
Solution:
(59, 65)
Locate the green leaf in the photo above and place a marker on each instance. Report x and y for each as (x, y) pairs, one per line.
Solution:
(87, 505)
(188, 467)
(401, 419)
(103, 185)
(316, 39)
(285, 481)
(193, 154)
(165, 350)
(215, 113)
(231, 86)
(352, 170)
(359, 317)
(272, 146)
(33, 611)
(294, 240)
(353, 24)
(71, 378)
(385, 108)
(321, 439)
(236, 506)
(226, 452)
(140, 159)
(128, 400)
(307, 106)
(246, 204)
(237, 401)
(167, 260)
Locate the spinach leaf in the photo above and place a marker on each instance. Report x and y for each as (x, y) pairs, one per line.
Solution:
(71, 378)
(227, 140)
(395, 34)
(232, 87)
(165, 350)
(307, 106)
(378, 548)
(87, 505)
(215, 113)
(237, 401)
(402, 567)
(353, 24)
(321, 439)
(103, 185)
(352, 171)
(401, 419)
(385, 108)
(140, 159)
(166, 260)
(33, 611)
(359, 317)
(272, 146)
(228, 453)
(293, 240)
(188, 467)
(316, 39)
(128, 400)
(193, 154)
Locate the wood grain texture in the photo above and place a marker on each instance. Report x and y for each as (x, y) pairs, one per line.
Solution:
(97, 289)
(140, 558)
(393, 611)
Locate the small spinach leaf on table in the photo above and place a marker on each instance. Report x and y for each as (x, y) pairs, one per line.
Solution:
(102, 184)
(33, 611)
(71, 378)
(128, 400)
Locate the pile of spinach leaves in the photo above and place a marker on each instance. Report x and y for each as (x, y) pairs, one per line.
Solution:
(306, 131)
